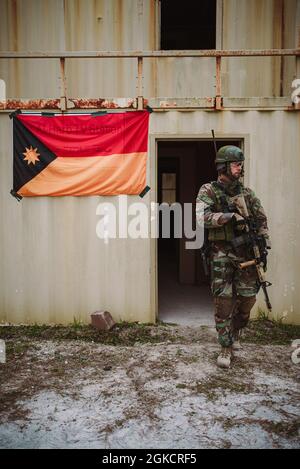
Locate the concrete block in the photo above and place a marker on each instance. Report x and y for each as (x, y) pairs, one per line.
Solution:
(102, 320)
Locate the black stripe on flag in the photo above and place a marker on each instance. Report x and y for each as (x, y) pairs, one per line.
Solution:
(31, 156)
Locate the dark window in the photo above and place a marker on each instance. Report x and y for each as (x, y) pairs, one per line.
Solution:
(168, 186)
(188, 24)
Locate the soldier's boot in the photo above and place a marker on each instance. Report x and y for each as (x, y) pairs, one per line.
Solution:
(224, 307)
(224, 359)
(236, 336)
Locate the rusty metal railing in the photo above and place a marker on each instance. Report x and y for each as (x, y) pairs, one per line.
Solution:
(139, 102)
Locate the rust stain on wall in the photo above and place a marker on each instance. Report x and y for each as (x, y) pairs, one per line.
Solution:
(30, 104)
(100, 103)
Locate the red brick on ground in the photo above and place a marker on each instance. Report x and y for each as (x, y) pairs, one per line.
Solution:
(102, 320)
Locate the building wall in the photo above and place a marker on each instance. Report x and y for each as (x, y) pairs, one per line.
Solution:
(272, 169)
(259, 24)
(106, 25)
(53, 266)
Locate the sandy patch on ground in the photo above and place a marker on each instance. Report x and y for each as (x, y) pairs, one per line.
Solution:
(78, 394)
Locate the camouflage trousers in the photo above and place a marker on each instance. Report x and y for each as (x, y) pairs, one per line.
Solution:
(234, 290)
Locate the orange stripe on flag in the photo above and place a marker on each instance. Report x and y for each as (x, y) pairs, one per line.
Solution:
(94, 175)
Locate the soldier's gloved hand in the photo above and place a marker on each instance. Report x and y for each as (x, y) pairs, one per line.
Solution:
(224, 218)
(239, 222)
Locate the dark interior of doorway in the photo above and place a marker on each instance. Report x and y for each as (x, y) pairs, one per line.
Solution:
(188, 25)
(183, 290)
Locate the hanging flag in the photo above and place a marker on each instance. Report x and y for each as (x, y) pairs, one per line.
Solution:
(80, 154)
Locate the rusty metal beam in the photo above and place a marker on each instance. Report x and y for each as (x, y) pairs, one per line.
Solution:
(145, 54)
(257, 102)
(103, 103)
(11, 104)
(180, 103)
(158, 104)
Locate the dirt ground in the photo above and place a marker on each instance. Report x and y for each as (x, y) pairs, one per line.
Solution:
(147, 387)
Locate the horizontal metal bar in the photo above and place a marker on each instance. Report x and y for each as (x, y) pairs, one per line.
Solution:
(162, 103)
(149, 54)
(103, 103)
(11, 104)
(180, 103)
(257, 102)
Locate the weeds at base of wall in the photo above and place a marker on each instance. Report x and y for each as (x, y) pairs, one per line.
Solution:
(262, 330)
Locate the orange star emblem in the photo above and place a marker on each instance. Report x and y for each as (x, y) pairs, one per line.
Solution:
(31, 155)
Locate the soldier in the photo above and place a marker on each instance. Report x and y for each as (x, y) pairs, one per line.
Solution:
(234, 290)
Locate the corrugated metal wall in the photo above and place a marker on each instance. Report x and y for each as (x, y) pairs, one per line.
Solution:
(272, 147)
(134, 25)
(258, 24)
(53, 266)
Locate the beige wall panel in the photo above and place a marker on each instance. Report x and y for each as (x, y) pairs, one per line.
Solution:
(247, 25)
(272, 146)
(102, 25)
(133, 25)
(291, 26)
(54, 267)
(31, 25)
(257, 24)
(185, 77)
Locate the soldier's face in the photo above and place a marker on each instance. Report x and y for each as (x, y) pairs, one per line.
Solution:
(236, 169)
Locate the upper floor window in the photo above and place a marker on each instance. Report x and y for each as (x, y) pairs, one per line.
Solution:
(188, 24)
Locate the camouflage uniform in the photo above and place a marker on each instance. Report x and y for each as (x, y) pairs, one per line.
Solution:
(234, 290)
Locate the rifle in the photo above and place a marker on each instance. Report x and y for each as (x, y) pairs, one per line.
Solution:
(257, 244)
(251, 238)
(204, 250)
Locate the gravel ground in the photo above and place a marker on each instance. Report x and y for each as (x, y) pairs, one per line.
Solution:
(167, 394)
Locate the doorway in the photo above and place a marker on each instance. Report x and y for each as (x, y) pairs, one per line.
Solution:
(183, 290)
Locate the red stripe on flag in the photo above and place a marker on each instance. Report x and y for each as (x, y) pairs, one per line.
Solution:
(86, 135)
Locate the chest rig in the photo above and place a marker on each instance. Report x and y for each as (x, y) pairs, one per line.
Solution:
(223, 204)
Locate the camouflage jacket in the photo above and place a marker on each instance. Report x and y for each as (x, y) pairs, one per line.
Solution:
(209, 208)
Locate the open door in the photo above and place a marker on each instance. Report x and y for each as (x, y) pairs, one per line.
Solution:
(183, 290)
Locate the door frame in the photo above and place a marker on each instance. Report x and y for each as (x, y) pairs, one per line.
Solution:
(154, 139)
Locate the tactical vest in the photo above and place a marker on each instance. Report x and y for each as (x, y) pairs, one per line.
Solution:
(225, 232)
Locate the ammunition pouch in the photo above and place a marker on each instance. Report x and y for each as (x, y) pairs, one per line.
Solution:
(224, 233)
(240, 241)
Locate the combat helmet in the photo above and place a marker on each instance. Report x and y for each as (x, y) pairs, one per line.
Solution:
(229, 153)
